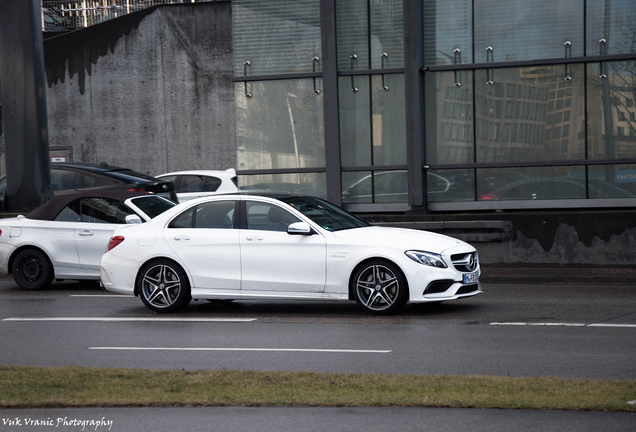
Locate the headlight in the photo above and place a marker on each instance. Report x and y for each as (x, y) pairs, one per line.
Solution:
(426, 258)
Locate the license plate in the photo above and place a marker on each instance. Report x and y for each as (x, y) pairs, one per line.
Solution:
(471, 278)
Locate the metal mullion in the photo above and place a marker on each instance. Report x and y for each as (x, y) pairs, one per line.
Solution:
(585, 130)
(281, 171)
(361, 168)
(474, 132)
(581, 162)
(370, 83)
(274, 77)
(528, 63)
(371, 71)
(331, 108)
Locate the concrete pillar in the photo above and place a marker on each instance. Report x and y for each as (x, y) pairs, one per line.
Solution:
(23, 83)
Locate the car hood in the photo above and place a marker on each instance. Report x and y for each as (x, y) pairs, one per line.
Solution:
(407, 238)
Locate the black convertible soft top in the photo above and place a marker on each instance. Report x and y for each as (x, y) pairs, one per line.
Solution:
(50, 209)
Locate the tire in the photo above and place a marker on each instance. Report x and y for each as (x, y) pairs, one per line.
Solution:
(163, 286)
(380, 288)
(32, 270)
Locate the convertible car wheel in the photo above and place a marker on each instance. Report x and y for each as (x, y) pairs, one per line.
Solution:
(32, 270)
(164, 287)
(380, 287)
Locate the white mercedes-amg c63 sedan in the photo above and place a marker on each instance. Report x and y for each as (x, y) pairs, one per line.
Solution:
(232, 247)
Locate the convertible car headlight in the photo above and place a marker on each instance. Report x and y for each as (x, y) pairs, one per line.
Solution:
(426, 258)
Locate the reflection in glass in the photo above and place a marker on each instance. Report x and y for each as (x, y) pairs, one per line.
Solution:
(612, 111)
(357, 187)
(449, 118)
(530, 114)
(447, 26)
(375, 187)
(388, 119)
(280, 126)
(527, 30)
(613, 21)
(373, 135)
(450, 185)
(386, 34)
(612, 181)
(355, 130)
(275, 37)
(311, 184)
(352, 34)
(534, 183)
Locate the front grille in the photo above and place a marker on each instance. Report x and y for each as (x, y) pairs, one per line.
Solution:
(468, 289)
(465, 262)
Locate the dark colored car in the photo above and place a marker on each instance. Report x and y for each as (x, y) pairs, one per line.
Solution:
(72, 175)
(79, 176)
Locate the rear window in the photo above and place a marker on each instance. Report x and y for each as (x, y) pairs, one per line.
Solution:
(152, 205)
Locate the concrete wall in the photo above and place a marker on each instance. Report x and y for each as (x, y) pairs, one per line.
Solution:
(151, 91)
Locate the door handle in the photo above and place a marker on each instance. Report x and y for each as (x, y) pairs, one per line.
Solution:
(85, 233)
(181, 237)
(254, 238)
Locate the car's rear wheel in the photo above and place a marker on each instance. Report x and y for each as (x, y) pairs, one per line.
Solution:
(380, 287)
(163, 286)
(32, 269)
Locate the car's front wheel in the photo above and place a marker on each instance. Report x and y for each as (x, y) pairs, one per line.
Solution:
(32, 269)
(163, 286)
(380, 287)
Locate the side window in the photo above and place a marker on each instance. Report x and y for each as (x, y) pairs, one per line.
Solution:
(184, 220)
(218, 214)
(70, 213)
(86, 181)
(211, 184)
(62, 179)
(103, 210)
(171, 178)
(268, 217)
(190, 184)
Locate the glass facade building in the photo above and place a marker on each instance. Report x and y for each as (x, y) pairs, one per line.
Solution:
(445, 105)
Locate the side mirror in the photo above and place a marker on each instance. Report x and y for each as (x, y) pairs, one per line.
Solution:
(299, 228)
(133, 219)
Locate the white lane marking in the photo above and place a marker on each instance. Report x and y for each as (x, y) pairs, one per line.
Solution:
(562, 324)
(103, 295)
(613, 325)
(114, 319)
(245, 349)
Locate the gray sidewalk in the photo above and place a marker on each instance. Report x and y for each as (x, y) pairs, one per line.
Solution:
(314, 419)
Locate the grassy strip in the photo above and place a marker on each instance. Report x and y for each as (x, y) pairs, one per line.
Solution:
(37, 387)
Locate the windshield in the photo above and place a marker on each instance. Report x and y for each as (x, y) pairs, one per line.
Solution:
(153, 205)
(325, 214)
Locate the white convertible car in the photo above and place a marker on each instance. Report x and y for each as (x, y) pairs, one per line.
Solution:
(231, 247)
(66, 237)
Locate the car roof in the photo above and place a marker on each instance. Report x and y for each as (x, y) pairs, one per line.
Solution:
(50, 209)
(88, 166)
(218, 173)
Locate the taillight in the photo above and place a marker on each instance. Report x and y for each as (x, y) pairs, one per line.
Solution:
(114, 241)
(0, 232)
(137, 190)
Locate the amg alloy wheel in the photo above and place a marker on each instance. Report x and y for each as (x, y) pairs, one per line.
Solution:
(163, 286)
(380, 288)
